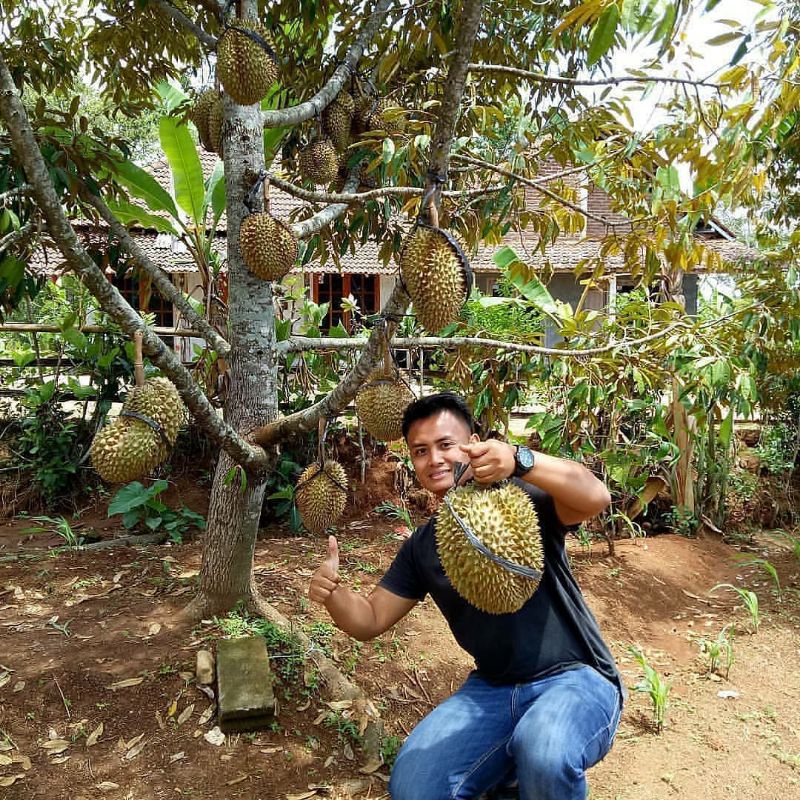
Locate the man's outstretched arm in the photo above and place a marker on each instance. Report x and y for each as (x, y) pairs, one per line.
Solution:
(578, 495)
(362, 617)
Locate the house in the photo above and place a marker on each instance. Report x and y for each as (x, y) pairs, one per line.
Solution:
(370, 282)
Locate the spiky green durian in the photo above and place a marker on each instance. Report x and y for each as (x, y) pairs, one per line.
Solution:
(337, 118)
(245, 67)
(318, 161)
(380, 405)
(269, 248)
(201, 117)
(434, 276)
(125, 450)
(504, 519)
(321, 494)
(159, 400)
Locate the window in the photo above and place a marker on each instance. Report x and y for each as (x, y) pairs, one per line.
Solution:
(142, 297)
(332, 287)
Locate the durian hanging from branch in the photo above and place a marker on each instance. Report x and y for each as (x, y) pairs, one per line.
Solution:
(434, 269)
(269, 248)
(382, 401)
(375, 113)
(247, 62)
(490, 545)
(321, 491)
(141, 437)
(207, 109)
(318, 161)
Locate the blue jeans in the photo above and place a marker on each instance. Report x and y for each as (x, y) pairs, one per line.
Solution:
(546, 734)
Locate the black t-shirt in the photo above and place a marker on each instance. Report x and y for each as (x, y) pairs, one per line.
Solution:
(554, 631)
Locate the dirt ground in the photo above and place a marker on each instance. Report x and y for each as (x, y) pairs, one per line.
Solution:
(98, 696)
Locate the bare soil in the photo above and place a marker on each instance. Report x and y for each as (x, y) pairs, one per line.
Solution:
(96, 638)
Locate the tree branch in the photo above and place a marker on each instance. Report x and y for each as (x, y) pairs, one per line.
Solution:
(165, 287)
(25, 232)
(372, 194)
(311, 108)
(206, 38)
(20, 191)
(312, 225)
(396, 305)
(442, 140)
(306, 420)
(476, 162)
(540, 77)
(300, 344)
(27, 151)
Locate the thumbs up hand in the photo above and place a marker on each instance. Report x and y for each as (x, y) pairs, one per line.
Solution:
(325, 580)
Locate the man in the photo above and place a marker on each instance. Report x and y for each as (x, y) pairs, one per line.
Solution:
(544, 701)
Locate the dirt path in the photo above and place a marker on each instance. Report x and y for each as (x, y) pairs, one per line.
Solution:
(95, 639)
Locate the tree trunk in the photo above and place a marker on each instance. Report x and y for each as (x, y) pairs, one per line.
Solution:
(252, 401)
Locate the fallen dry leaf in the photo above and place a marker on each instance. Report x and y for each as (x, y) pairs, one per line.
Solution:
(154, 629)
(126, 683)
(134, 751)
(92, 738)
(55, 746)
(177, 757)
(160, 721)
(5, 760)
(215, 736)
(173, 708)
(340, 705)
(23, 761)
(19, 686)
(107, 786)
(234, 781)
(185, 714)
(372, 765)
(5, 746)
(60, 760)
(5, 677)
(132, 742)
(302, 796)
(207, 714)
(11, 780)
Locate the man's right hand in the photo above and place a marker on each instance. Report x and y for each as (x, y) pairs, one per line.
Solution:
(326, 578)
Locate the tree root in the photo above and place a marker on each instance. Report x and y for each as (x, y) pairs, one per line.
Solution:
(106, 544)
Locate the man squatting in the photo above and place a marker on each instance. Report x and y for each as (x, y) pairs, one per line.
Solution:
(543, 704)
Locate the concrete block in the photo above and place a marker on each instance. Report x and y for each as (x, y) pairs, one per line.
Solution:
(244, 680)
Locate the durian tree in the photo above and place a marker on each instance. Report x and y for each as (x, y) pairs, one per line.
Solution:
(453, 108)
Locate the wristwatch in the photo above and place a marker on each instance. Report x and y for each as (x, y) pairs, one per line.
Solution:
(523, 460)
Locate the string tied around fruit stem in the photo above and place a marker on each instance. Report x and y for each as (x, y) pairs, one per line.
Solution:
(261, 184)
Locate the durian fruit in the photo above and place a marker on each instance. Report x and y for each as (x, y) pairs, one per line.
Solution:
(380, 405)
(125, 450)
(318, 161)
(392, 122)
(433, 272)
(269, 248)
(201, 117)
(321, 494)
(215, 120)
(337, 118)
(365, 104)
(159, 400)
(504, 519)
(246, 68)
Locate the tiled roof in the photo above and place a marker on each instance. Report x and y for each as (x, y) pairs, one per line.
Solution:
(563, 256)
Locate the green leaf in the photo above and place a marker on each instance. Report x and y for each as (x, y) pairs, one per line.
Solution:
(171, 95)
(388, 150)
(726, 431)
(603, 34)
(143, 185)
(724, 38)
(128, 213)
(187, 173)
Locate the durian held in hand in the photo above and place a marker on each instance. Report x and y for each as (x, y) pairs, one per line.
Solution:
(499, 570)
(140, 438)
(269, 248)
(435, 270)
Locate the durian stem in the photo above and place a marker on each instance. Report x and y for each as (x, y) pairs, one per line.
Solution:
(322, 429)
(433, 213)
(387, 356)
(138, 362)
(265, 190)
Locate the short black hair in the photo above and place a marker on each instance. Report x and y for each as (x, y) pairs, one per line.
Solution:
(434, 404)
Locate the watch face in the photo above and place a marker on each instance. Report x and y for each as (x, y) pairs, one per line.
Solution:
(525, 457)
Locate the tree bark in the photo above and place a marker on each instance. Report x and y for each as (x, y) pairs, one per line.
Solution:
(236, 497)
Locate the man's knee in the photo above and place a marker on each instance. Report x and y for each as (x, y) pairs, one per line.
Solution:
(548, 763)
(414, 776)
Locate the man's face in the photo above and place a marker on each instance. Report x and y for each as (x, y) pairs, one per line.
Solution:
(434, 446)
